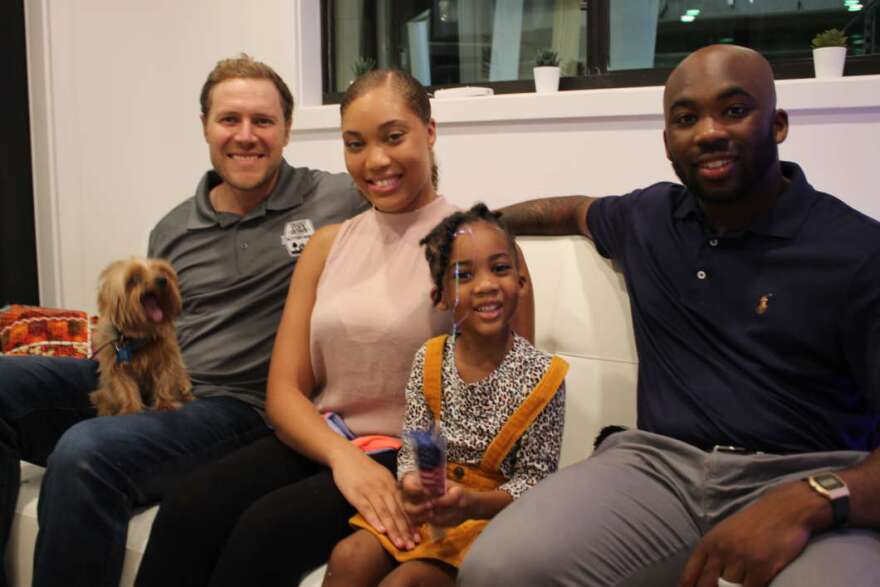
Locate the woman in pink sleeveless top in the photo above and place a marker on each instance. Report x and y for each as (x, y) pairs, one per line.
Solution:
(358, 309)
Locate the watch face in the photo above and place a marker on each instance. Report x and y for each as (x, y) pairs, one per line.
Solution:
(829, 482)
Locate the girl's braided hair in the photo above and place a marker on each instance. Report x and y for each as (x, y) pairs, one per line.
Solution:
(438, 243)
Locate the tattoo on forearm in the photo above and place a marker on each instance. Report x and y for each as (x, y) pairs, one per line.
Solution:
(548, 216)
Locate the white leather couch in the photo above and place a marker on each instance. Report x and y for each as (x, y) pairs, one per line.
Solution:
(582, 314)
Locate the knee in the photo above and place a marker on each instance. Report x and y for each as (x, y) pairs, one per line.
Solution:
(346, 559)
(11, 369)
(78, 452)
(82, 470)
(505, 554)
(14, 387)
(358, 559)
(252, 536)
(482, 566)
(849, 556)
(191, 504)
(30, 382)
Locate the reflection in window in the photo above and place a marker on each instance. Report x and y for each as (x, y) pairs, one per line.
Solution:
(779, 29)
(457, 41)
(601, 43)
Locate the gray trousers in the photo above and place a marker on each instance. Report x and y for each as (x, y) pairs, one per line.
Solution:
(631, 514)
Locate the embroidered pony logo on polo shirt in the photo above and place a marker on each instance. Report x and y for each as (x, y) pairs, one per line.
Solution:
(763, 304)
(296, 234)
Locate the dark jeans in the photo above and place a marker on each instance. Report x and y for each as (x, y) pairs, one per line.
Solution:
(98, 469)
(264, 515)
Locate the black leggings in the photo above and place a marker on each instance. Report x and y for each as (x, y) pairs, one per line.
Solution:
(264, 515)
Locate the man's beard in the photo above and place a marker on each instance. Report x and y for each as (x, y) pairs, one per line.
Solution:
(751, 170)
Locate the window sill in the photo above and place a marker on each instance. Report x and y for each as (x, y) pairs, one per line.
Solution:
(808, 94)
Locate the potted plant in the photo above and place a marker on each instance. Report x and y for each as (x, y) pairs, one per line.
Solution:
(361, 66)
(546, 71)
(829, 53)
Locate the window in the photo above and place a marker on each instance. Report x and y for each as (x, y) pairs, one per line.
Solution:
(601, 43)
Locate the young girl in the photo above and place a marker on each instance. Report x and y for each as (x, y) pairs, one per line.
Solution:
(498, 400)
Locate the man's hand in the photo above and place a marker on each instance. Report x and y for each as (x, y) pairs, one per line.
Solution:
(755, 544)
(372, 490)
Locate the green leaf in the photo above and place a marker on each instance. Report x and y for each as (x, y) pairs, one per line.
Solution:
(829, 38)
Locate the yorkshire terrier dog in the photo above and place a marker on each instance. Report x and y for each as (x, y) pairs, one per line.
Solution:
(138, 357)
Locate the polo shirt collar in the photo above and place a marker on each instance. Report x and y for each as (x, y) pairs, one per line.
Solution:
(783, 220)
(288, 192)
(686, 206)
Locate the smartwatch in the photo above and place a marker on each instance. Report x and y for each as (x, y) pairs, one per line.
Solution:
(832, 488)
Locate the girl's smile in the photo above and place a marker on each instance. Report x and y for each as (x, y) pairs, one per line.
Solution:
(483, 283)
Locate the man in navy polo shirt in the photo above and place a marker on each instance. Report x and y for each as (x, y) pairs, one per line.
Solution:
(756, 308)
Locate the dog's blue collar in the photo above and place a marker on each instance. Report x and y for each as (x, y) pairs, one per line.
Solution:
(126, 347)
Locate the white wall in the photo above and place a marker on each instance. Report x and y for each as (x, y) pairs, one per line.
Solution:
(115, 118)
(117, 140)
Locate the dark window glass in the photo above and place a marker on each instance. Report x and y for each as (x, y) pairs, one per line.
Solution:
(443, 42)
(779, 29)
(600, 43)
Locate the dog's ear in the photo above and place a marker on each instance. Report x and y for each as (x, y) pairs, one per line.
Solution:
(172, 291)
(106, 286)
(164, 267)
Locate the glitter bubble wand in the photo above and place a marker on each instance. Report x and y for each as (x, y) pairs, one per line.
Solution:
(429, 447)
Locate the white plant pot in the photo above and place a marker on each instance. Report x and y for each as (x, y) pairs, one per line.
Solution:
(546, 79)
(828, 61)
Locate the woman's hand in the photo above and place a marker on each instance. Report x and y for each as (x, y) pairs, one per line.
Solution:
(372, 490)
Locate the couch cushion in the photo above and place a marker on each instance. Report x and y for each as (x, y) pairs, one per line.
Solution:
(582, 314)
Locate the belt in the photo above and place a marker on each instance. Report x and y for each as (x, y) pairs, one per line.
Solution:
(735, 450)
(722, 448)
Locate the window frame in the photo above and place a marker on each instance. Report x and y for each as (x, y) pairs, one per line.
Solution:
(598, 51)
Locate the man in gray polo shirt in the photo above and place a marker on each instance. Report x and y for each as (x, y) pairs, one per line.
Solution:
(234, 245)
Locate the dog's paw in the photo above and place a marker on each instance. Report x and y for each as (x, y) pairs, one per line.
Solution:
(105, 411)
(168, 406)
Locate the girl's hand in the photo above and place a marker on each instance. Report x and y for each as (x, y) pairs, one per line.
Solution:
(372, 490)
(416, 500)
(453, 507)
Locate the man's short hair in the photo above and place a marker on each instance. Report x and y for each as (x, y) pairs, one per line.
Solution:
(245, 67)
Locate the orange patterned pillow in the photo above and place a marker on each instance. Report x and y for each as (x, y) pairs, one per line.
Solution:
(31, 330)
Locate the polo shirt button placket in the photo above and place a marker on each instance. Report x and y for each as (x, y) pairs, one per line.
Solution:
(713, 242)
(701, 274)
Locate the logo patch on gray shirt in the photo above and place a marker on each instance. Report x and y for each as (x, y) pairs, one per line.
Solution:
(296, 234)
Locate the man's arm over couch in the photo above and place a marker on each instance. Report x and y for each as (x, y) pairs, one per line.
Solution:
(550, 216)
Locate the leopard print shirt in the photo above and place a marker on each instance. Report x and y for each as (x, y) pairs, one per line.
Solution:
(472, 414)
